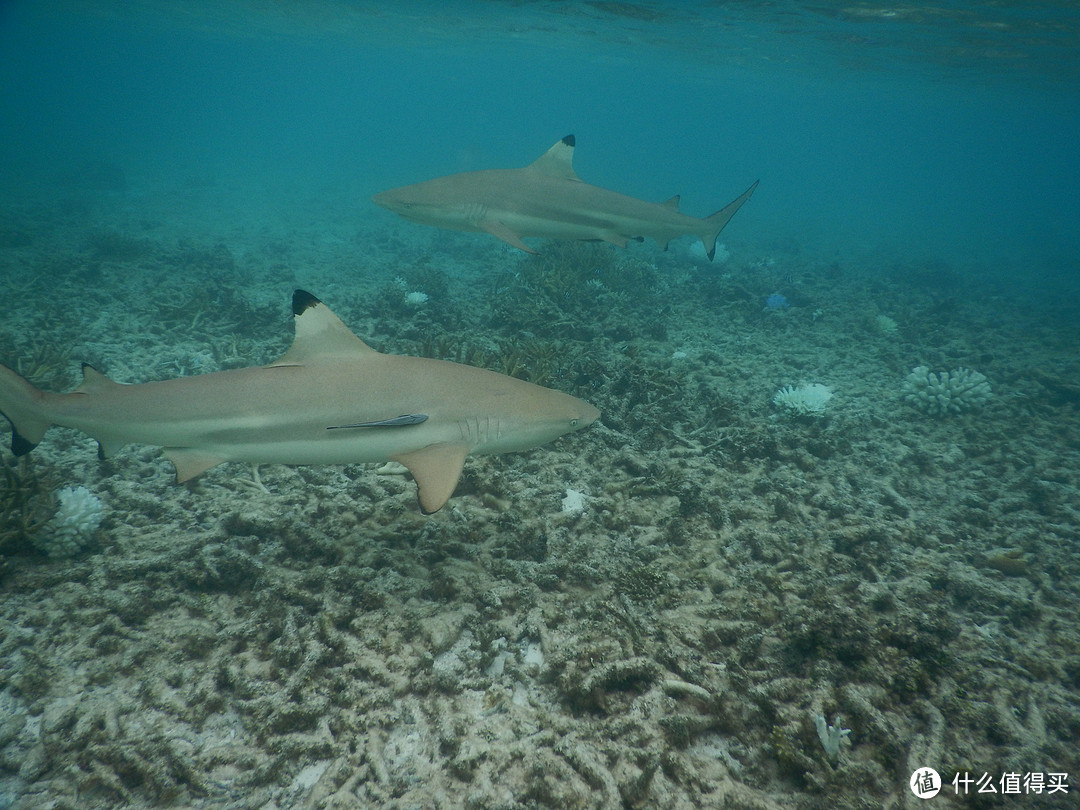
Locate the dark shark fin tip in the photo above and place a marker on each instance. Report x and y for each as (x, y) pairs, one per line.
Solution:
(302, 301)
(569, 140)
(20, 445)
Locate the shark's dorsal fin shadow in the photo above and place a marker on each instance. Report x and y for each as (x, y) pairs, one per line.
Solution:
(558, 161)
(320, 334)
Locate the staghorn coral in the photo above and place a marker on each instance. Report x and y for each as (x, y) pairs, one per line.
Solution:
(24, 505)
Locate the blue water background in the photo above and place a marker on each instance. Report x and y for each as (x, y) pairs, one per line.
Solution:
(948, 135)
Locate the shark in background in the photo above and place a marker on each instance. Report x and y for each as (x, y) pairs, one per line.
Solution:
(330, 399)
(548, 199)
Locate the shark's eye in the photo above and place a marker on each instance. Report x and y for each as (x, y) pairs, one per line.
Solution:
(573, 422)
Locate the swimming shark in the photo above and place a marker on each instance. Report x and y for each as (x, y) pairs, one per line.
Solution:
(547, 198)
(330, 399)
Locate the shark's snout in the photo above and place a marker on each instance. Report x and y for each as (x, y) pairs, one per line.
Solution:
(589, 414)
(401, 204)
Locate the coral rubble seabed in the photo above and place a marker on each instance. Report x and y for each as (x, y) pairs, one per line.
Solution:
(311, 641)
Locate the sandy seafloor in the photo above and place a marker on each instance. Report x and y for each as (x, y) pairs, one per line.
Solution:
(734, 571)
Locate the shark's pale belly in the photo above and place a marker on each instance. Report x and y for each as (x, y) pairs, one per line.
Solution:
(362, 447)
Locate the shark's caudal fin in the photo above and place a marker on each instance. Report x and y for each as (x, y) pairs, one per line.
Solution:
(20, 403)
(717, 221)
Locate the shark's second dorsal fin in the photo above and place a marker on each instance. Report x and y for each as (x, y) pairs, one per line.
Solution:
(320, 334)
(93, 380)
(558, 161)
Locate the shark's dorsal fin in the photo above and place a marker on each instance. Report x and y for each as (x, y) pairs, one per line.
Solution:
(93, 380)
(320, 334)
(436, 470)
(496, 228)
(558, 161)
(672, 204)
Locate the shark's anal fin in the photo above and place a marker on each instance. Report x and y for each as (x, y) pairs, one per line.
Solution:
(190, 462)
(500, 231)
(436, 470)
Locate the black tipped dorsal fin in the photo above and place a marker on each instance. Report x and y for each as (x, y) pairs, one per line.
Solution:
(93, 380)
(558, 161)
(320, 334)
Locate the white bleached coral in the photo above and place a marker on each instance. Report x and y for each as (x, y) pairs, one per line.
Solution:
(574, 502)
(73, 525)
(806, 399)
(939, 393)
(830, 736)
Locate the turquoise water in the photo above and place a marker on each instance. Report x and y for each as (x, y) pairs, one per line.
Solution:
(945, 131)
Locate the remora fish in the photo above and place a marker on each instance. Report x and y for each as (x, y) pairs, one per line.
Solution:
(547, 198)
(330, 399)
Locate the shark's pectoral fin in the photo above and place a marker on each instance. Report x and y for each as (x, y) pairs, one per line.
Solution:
(190, 462)
(500, 231)
(436, 470)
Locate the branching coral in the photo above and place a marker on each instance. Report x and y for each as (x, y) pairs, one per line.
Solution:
(24, 505)
(946, 392)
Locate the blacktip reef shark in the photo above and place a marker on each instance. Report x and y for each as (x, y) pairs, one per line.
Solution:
(548, 199)
(330, 399)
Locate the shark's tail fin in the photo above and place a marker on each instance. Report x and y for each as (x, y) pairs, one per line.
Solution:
(21, 404)
(717, 221)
